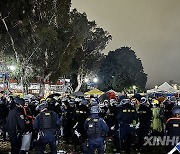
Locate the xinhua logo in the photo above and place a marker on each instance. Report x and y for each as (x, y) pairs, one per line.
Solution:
(161, 140)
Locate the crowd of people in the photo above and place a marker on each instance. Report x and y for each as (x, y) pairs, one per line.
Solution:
(87, 123)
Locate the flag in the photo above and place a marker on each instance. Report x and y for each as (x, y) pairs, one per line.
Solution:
(178, 147)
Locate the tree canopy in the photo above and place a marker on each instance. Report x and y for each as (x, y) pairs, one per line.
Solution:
(88, 55)
(121, 69)
(45, 38)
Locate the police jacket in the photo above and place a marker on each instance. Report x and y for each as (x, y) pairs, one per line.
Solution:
(145, 115)
(3, 111)
(15, 121)
(95, 127)
(81, 113)
(47, 121)
(173, 126)
(126, 114)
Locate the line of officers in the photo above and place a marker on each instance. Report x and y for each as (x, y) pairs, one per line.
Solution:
(86, 122)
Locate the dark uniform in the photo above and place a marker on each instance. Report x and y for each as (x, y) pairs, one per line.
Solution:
(125, 117)
(81, 114)
(111, 118)
(173, 124)
(145, 117)
(47, 123)
(69, 122)
(167, 109)
(16, 126)
(3, 115)
(96, 129)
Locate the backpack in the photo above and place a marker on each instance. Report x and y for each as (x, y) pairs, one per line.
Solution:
(93, 131)
(47, 120)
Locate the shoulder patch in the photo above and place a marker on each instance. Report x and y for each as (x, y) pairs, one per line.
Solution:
(47, 114)
(88, 119)
(175, 125)
(95, 120)
(124, 110)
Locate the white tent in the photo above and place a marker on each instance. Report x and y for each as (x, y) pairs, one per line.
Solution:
(165, 87)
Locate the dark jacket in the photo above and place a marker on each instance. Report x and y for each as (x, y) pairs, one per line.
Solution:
(15, 121)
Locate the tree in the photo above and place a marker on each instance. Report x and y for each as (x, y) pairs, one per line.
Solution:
(88, 55)
(122, 69)
(43, 34)
(33, 31)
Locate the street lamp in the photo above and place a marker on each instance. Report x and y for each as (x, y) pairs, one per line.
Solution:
(95, 80)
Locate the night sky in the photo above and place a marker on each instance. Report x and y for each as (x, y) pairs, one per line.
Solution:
(150, 27)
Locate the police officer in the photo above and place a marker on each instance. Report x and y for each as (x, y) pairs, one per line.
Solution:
(3, 115)
(69, 121)
(96, 129)
(125, 116)
(111, 115)
(47, 123)
(81, 114)
(16, 125)
(173, 124)
(145, 117)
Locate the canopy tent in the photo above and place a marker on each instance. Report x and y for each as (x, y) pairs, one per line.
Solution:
(165, 87)
(95, 91)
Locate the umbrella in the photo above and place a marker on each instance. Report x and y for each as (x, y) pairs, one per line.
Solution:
(95, 91)
(54, 95)
(103, 97)
(112, 95)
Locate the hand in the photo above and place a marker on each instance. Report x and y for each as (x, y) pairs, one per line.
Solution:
(113, 128)
(137, 125)
(78, 134)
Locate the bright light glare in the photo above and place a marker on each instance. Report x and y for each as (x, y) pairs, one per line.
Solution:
(95, 80)
(134, 87)
(156, 87)
(86, 80)
(12, 68)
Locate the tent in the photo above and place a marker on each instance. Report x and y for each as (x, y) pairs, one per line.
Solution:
(95, 91)
(165, 88)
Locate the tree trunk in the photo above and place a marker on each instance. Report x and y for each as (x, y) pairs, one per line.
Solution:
(42, 84)
(79, 81)
(42, 89)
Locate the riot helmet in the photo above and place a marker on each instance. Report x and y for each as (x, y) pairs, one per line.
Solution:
(94, 110)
